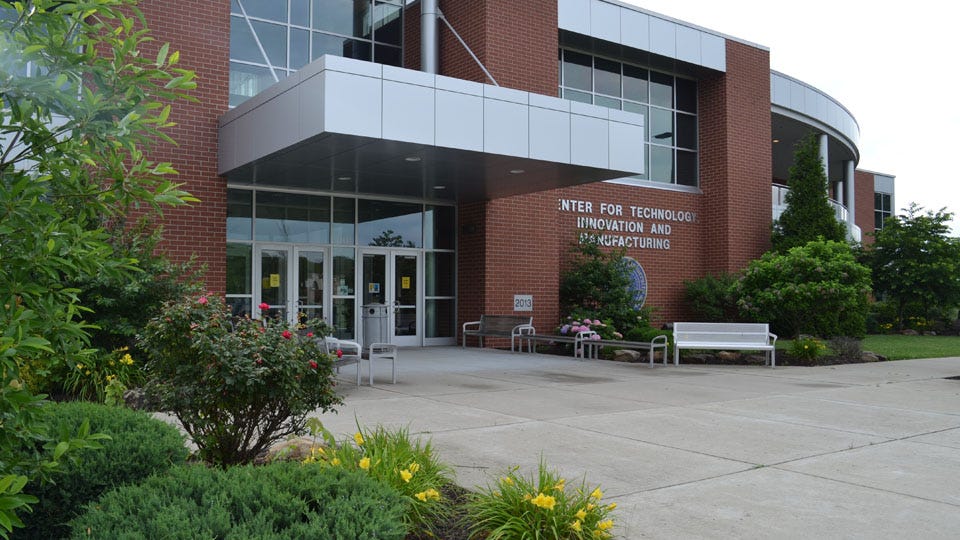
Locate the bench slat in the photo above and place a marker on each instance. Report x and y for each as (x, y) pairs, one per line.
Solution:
(719, 336)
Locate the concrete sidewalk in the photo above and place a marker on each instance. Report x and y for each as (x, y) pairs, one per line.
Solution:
(855, 451)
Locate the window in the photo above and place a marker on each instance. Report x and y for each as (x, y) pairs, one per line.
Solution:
(881, 209)
(269, 39)
(667, 102)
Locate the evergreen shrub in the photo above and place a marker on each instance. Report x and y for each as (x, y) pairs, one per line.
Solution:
(277, 501)
(139, 446)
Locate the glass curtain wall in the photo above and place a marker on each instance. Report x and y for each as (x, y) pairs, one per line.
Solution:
(269, 39)
(667, 102)
(343, 225)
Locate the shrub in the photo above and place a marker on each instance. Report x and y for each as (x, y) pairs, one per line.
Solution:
(807, 348)
(597, 284)
(816, 289)
(139, 446)
(713, 298)
(541, 507)
(280, 500)
(390, 457)
(236, 385)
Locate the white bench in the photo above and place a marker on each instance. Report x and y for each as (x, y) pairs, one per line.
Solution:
(724, 336)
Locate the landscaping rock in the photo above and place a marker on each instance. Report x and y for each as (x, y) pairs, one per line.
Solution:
(290, 450)
(909, 332)
(871, 357)
(727, 356)
(628, 355)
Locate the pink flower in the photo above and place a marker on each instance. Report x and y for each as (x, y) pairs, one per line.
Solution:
(264, 306)
(595, 337)
(313, 364)
(286, 334)
(339, 353)
(309, 334)
(259, 361)
(202, 300)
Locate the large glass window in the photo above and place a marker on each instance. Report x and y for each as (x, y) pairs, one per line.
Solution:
(667, 102)
(389, 224)
(288, 217)
(269, 39)
(881, 209)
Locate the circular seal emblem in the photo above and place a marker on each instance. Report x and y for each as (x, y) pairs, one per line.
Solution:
(638, 281)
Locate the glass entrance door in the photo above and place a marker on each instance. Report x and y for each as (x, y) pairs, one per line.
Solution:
(310, 283)
(290, 281)
(272, 283)
(391, 281)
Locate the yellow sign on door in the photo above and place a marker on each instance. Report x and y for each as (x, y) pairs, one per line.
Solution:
(274, 280)
(405, 282)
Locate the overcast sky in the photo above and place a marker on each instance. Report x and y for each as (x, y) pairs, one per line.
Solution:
(893, 65)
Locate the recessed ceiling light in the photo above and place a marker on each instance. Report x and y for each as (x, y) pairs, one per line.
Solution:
(439, 187)
(776, 141)
(517, 171)
(412, 159)
(344, 178)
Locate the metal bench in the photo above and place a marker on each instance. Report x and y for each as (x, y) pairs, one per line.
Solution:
(353, 353)
(577, 341)
(660, 342)
(724, 336)
(505, 326)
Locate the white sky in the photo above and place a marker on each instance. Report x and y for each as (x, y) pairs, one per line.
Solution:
(892, 64)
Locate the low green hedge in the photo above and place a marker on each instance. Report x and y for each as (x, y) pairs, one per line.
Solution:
(277, 501)
(140, 446)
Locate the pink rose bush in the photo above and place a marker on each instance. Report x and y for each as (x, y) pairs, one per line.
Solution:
(237, 385)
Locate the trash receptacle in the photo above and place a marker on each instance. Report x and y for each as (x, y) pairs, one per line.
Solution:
(375, 324)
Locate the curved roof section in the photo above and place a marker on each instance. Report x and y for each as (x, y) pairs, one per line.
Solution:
(801, 101)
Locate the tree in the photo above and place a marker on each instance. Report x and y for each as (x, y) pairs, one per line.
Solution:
(81, 103)
(916, 265)
(808, 215)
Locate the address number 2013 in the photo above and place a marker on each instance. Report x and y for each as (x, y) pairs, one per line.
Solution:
(523, 302)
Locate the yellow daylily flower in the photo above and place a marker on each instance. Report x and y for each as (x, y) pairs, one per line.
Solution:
(422, 496)
(597, 494)
(358, 437)
(581, 514)
(335, 461)
(365, 463)
(576, 526)
(611, 506)
(544, 501)
(605, 524)
(406, 475)
(507, 481)
(414, 467)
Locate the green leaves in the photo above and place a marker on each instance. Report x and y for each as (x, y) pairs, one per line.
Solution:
(80, 107)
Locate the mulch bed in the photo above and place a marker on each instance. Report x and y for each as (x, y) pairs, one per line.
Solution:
(456, 526)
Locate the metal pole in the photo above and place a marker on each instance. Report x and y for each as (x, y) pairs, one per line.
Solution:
(429, 36)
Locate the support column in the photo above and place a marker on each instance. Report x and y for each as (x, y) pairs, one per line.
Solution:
(838, 188)
(825, 156)
(851, 197)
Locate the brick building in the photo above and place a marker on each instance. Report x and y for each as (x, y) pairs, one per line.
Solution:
(442, 157)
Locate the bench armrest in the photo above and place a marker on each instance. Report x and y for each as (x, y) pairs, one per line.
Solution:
(475, 324)
(522, 329)
(774, 340)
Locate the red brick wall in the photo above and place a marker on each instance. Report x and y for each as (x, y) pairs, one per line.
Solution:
(201, 32)
(735, 160)
(525, 239)
(863, 183)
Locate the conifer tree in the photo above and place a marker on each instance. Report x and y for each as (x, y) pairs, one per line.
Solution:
(808, 215)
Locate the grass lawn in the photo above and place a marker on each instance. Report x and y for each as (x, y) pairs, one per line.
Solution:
(897, 347)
